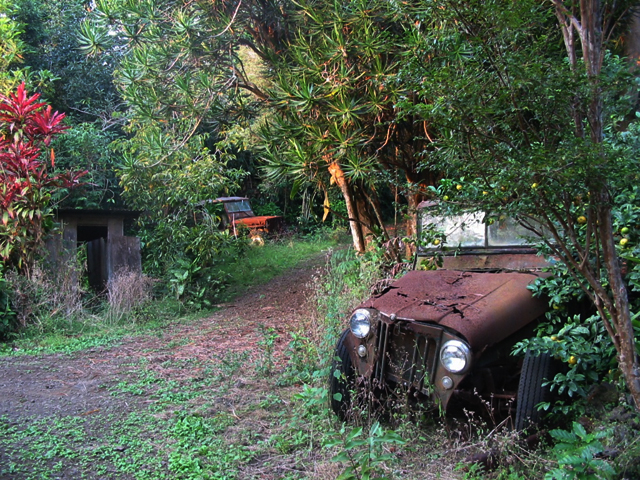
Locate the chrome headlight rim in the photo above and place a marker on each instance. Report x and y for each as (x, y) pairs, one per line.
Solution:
(455, 356)
(360, 323)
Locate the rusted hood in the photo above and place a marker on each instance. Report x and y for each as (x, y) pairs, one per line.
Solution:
(484, 308)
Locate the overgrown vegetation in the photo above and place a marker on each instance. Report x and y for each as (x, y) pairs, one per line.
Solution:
(54, 306)
(526, 109)
(539, 135)
(254, 414)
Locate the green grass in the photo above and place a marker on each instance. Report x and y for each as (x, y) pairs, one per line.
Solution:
(262, 263)
(167, 431)
(225, 415)
(135, 445)
(34, 340)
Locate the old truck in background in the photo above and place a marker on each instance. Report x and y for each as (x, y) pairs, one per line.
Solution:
(238, 214)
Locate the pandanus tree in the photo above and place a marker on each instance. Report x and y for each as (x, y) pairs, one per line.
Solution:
(334, 103)
(528, 104)
(181, 74)
(28, 179)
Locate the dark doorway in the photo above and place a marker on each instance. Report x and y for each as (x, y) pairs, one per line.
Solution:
(86, 233)
(95, 240)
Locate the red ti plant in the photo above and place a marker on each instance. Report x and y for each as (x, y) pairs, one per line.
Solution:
(27, 179)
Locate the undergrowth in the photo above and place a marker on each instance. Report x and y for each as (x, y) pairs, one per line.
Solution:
(57, 312)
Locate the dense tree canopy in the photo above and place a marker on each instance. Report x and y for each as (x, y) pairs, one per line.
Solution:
(11, 45)
(183, 76)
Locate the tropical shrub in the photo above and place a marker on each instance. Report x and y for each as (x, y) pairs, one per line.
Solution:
(26, 128)
(7, 315)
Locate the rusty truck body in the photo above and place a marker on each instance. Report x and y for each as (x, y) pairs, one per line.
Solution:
(444, 332)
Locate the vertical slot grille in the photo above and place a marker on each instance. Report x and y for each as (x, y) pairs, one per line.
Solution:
(406, 355)
(383, 333)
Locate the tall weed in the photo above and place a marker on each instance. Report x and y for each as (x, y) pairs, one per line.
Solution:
(127, 291)
(47, 295)
(345, 281)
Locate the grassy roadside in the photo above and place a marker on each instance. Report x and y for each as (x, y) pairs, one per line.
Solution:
(261, 264)
(256, 267)
(225, 415)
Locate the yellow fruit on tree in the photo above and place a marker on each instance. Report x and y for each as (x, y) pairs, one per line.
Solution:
(573, 360)
(458, 187)
(582, 219)
(445, 198)
(535, 185)
(436, 242)
(624, 241)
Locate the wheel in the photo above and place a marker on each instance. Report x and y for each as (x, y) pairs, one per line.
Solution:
(536, 369)
(341, 379)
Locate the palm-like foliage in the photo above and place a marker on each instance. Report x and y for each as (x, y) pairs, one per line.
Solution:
(334, 100)
(183, 81)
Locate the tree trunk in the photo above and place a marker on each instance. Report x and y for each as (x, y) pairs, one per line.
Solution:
(624, 335)
(337, 175)
(375, 205)
(613, 306)
(414, 197)
(365, 214)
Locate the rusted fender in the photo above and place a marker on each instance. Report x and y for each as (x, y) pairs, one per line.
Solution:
(484, 308)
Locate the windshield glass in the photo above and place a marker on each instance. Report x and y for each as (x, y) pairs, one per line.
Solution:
(465, 230)
(239, 206)
(469, 230)
(508, 232)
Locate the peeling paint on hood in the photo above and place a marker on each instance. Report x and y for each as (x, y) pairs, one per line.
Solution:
(484, 308)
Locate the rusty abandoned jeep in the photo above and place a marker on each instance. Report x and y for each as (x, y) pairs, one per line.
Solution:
(238, 213)
(443, 335)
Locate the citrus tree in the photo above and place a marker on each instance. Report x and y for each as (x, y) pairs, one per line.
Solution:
(529, 102)
(28, 181)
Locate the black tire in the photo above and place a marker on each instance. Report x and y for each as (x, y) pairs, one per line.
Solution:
(536, 369)
(341, 378)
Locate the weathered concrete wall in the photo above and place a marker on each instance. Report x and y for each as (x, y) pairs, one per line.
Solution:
(123, 252)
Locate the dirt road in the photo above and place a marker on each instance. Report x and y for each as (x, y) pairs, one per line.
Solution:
(100, 386)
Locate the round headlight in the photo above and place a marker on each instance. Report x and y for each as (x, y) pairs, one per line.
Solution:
(455, 356)
(360, 323)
